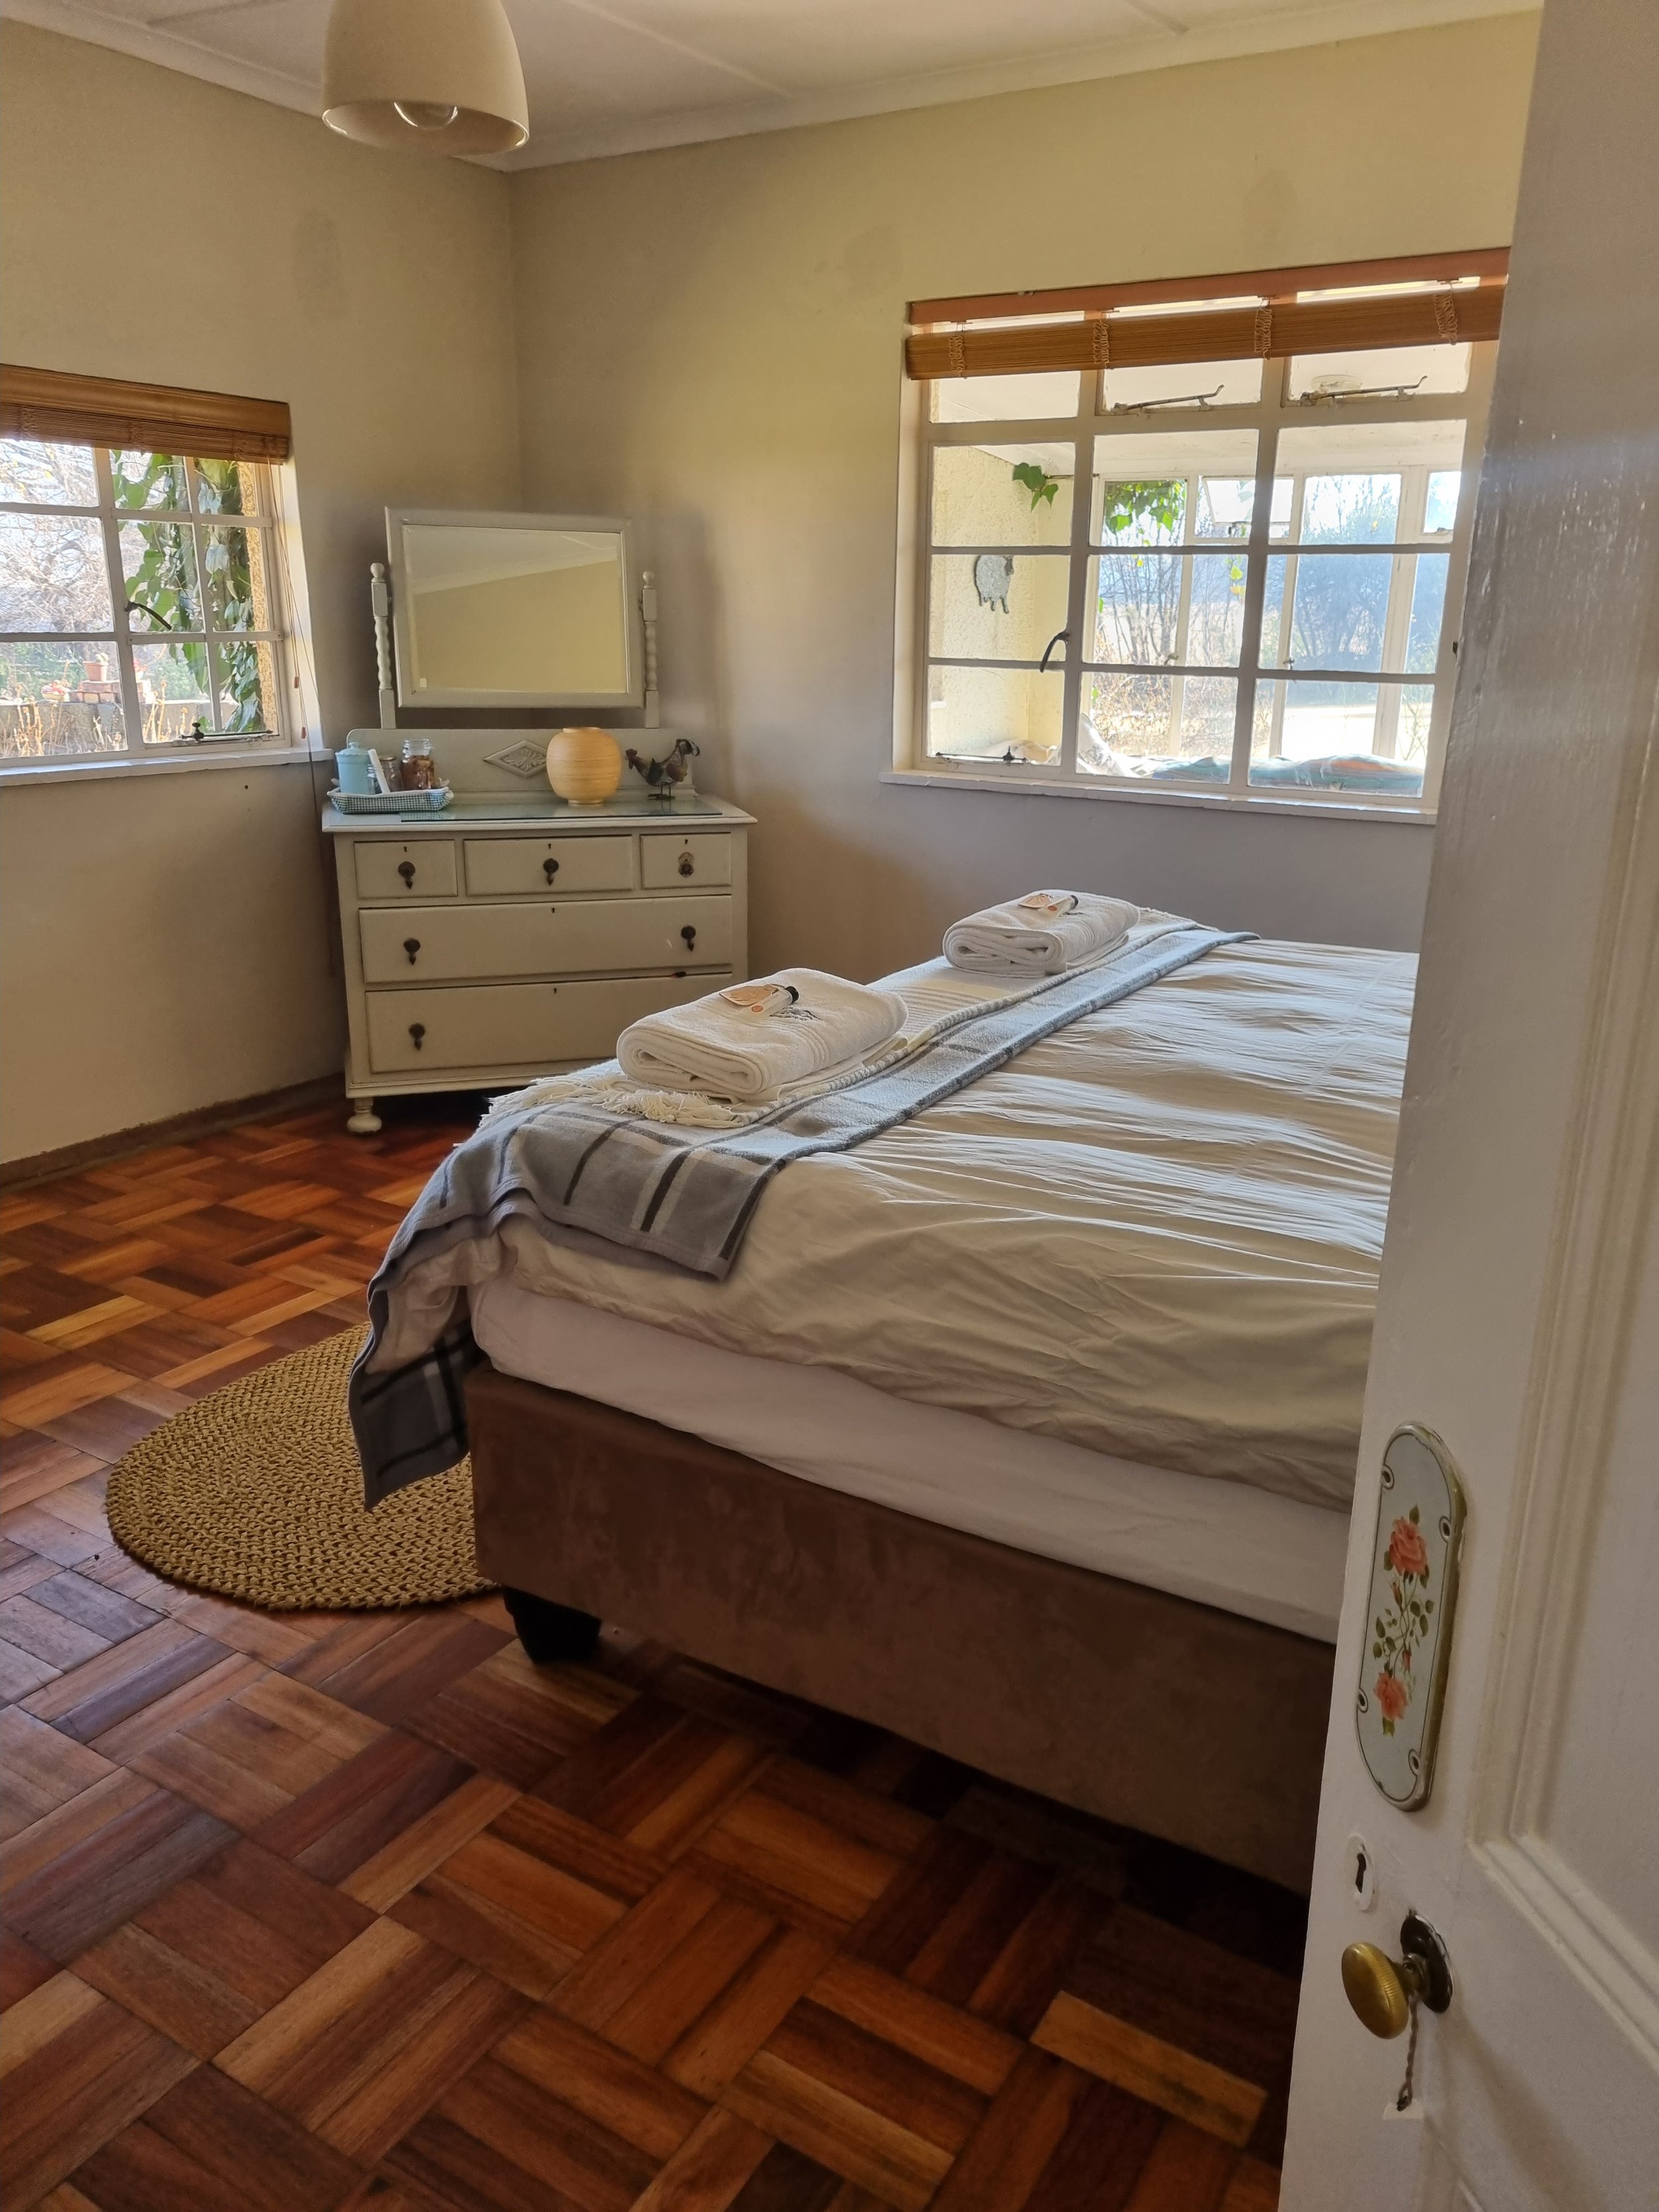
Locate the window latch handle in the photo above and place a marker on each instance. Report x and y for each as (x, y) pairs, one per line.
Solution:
(1043, 664)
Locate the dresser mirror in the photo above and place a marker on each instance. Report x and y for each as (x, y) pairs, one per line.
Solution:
(503, 610)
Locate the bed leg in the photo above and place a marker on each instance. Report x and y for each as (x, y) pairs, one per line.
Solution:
(549, 1633)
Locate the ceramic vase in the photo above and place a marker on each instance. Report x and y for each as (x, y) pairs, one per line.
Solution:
(584, 766)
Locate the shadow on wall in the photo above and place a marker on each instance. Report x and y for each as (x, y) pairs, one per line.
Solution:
(822, 899)
(866, 881)
(860, 877)
(692, 648)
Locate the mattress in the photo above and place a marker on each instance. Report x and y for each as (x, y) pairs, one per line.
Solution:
(1247, 1551)
(1154, 1236)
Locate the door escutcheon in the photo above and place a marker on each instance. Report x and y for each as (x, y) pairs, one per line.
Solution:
(1412, 1602)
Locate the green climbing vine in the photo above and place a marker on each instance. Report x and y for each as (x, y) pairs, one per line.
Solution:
(1035, 479)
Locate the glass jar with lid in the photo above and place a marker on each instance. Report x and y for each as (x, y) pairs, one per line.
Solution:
(418, 771)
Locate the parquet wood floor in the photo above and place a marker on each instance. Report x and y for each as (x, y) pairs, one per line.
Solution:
(303, 1912)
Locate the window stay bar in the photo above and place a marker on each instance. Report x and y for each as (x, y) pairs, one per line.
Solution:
(1148, 406)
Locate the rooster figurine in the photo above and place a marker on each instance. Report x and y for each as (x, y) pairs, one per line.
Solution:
(662, 776)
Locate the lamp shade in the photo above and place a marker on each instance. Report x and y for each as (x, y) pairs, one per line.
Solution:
(436, 76)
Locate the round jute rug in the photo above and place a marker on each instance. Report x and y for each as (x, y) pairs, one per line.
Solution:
(256, 1492)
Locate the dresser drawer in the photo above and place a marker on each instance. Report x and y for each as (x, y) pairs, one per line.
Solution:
(515, 1025)
(593, 937)
(667, 862)
(498, 866)
(423, 868)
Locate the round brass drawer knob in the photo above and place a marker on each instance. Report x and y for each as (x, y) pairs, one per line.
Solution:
(1381, 1988)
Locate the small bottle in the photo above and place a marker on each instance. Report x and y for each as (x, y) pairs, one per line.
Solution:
(419, 771)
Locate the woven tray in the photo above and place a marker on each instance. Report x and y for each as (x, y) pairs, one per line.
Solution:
(391, 802)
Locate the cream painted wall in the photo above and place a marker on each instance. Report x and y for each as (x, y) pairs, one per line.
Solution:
(164, 949)
(709, 340)
(167, 939)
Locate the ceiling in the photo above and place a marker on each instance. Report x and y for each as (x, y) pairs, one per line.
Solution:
(609, 76)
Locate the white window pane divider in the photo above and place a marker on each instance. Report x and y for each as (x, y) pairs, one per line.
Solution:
(1083, 529)
(132, 706)
(1087, 432)
(261, 527)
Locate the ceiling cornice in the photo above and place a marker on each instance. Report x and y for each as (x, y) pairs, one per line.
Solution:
(1275, 30)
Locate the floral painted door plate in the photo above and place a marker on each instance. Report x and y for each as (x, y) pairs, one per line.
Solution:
(1413, 1596)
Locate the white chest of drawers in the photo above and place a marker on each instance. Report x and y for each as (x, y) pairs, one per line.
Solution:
(484, 949)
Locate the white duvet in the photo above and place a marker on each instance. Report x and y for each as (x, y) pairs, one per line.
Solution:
(1155, 1234)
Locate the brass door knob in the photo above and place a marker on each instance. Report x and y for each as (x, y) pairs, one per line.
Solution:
(1381, 1988)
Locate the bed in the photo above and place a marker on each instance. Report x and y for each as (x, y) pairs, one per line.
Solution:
(1026, 1428)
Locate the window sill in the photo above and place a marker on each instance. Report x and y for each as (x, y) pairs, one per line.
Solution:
(1216, 802)
(14, 776)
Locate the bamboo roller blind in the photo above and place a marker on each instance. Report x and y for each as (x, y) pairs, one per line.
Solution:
(1281, 324)
(49, 405)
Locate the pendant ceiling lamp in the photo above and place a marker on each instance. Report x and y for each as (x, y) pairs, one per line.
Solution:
(436, 76)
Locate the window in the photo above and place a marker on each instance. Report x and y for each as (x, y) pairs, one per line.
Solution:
(1240, 577)
(142, 589)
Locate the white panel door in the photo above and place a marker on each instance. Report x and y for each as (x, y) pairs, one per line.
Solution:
(1519, 1315)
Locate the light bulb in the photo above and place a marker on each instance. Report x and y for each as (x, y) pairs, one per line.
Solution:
(426, 114)
(437, 77)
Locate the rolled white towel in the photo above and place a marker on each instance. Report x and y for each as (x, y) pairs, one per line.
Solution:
(1041, 934)
(757, 1040)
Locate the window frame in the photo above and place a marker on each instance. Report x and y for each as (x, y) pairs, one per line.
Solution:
(1274, 412)
(284, 581)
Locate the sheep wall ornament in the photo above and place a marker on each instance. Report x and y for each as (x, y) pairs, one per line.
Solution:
(993, 575)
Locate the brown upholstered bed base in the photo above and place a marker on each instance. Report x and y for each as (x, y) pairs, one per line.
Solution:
(1196, 1725)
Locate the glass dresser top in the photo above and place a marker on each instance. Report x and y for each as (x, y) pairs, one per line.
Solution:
(486, 806)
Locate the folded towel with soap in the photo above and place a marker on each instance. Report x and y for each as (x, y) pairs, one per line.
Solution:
(760, 1041)
(1041, 934)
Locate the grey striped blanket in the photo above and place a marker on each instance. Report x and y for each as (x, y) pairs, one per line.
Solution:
(677, 1196)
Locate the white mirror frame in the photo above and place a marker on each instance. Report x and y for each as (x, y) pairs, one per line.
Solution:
(635, 656)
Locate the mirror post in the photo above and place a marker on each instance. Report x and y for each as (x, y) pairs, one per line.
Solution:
(648, 624)
(379, 599)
